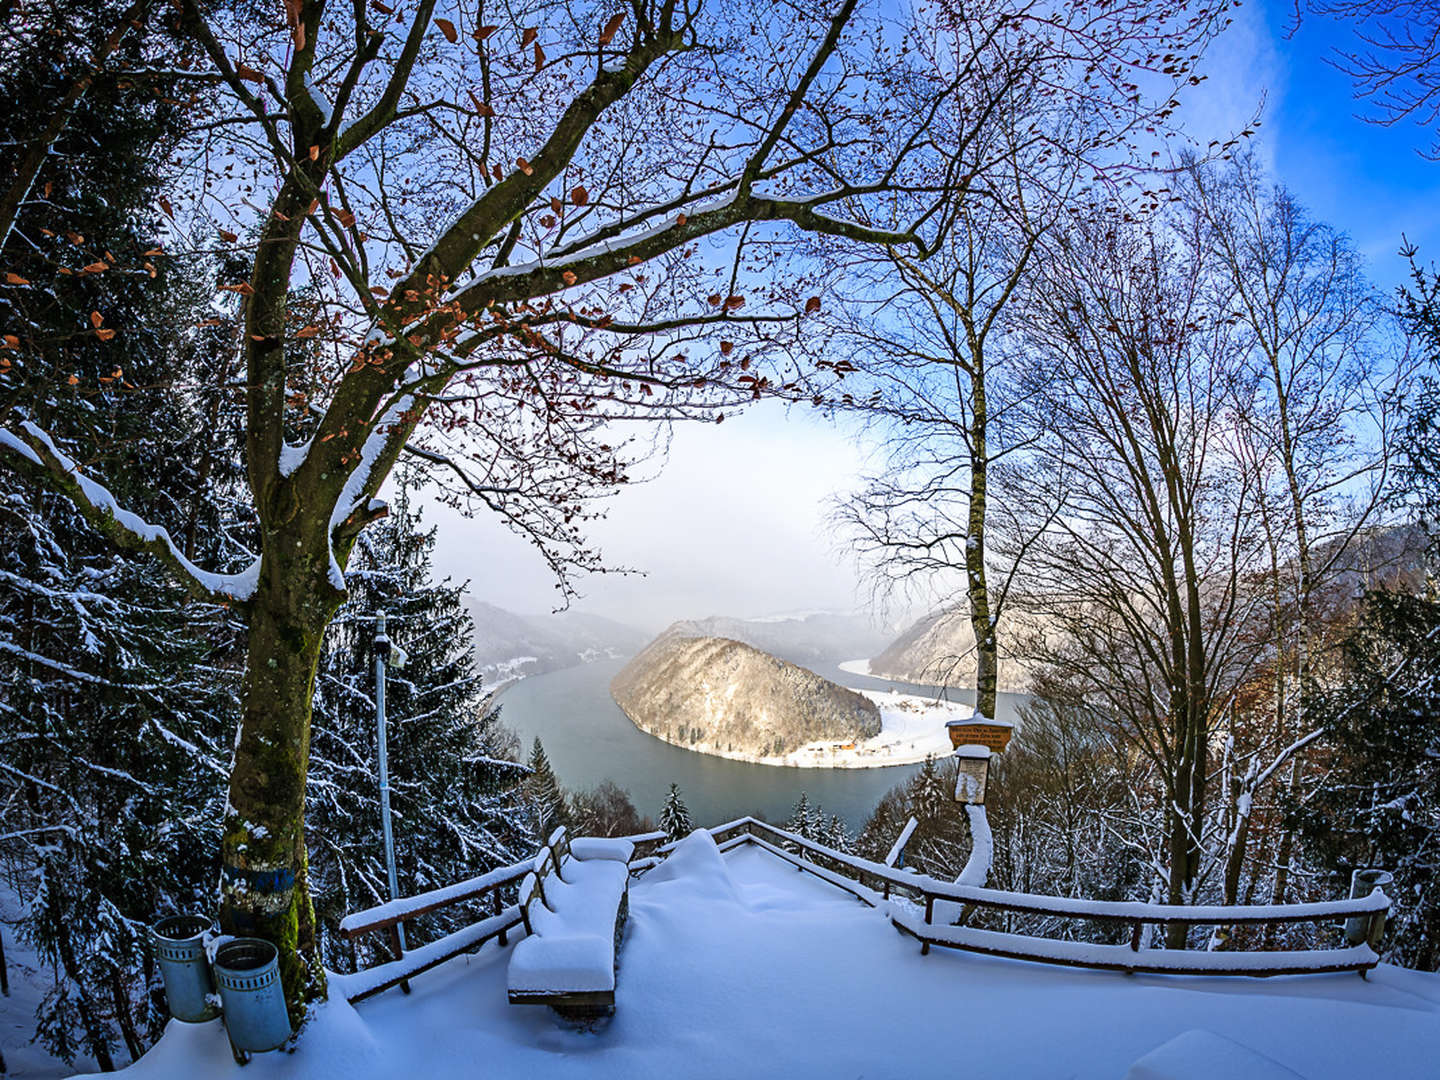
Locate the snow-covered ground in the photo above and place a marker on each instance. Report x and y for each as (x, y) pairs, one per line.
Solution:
(737, 965)
(855, 667)
(30, 980)
(912, 728)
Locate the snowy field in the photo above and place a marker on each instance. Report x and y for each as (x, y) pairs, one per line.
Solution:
(912, 728)
(855, 667)
(737, 965)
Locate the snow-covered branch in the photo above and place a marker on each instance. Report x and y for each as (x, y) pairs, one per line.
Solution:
(30, 451)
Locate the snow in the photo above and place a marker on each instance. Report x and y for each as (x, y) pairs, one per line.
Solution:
(30, 980)
(293, 456)
(407, 905)
(898, 848)
(362, 983)
(1121, 956)
(239, 587)
(354, 489)
(573, 945)
(604, 848)
(982, 848)
(1200, 1055)
(912, 728)
(327, 111)
(737, 965)
(569, 962)
(855, 667)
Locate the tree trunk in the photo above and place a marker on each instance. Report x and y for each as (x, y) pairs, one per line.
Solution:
(124, 1015)
(982, 623)
(1179, 843)
(264, 887)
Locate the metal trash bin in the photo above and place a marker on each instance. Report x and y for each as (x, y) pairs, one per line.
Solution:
(184, 967)
(1362, 884)
(247, 971)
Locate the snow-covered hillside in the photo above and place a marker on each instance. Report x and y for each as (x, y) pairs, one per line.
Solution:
(737, 965)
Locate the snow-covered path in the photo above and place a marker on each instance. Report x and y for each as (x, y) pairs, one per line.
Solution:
(739, 966)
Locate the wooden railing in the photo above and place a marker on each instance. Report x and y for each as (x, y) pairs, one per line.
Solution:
(919, 898)
(498, 924)
(928, 909)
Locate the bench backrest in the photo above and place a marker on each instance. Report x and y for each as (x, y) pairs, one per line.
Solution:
(532, 891)
(559, 847)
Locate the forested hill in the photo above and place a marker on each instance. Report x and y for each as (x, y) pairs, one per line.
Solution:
(939, 649)
(722, 696)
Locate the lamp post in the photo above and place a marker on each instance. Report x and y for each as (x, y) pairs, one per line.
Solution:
(386, 653)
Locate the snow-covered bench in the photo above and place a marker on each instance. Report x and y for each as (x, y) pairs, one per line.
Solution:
(574, 904)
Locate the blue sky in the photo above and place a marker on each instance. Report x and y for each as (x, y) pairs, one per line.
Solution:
(736, 522)
(1364, 178)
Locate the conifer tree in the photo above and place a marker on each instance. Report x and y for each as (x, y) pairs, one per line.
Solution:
(801, 821)
(117, 706)
(837, 835)
(456, 802)
(1379, 805)
(543, 794)
(675, 815)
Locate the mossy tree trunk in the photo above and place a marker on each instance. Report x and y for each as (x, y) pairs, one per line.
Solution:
(264, 891)
(982, 620)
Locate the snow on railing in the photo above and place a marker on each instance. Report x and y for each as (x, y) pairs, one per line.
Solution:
(404, 965)
(874, 883)
(898, 848)
(382, 916)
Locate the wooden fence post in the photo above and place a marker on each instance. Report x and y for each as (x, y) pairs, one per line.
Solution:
(498, 909)
(394, 935)
(4, 977)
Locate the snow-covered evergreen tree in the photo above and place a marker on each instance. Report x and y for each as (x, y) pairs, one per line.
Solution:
(675, 815)
(837, 835)
(1379, 805)
(941, 841)
(117, 710)
(544, 797)
(457, 805)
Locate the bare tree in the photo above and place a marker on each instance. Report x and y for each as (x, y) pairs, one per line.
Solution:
(1395, 65)
(1316, 401)
(936, 342)
(1140, 578)
(518, 233)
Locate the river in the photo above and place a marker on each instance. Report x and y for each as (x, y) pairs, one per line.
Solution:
(588, 739)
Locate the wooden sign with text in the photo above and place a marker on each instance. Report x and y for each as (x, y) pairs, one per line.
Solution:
(994, 736)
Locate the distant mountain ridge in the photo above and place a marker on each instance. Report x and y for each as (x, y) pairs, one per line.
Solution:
(802, 639)
(510, 646)
(939, 649)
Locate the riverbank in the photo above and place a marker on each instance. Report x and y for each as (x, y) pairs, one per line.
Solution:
(912, 728)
